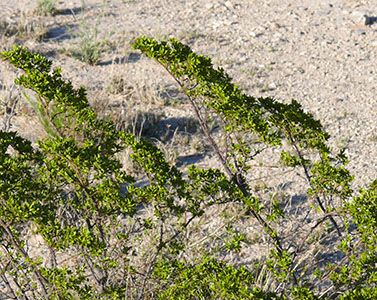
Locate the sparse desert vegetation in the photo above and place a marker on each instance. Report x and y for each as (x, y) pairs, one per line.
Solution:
(133, 167)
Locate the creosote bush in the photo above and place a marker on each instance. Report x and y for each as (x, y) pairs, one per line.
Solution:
(109, 234)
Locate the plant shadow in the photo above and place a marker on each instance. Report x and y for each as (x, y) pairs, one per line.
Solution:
(69, 11)
(59, 33)
(131, 58)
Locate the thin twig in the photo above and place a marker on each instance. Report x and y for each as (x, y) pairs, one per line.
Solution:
(153, 262)
(309, 180)
(10, 109)
(36, 272)
(235, 177)
(7, 283)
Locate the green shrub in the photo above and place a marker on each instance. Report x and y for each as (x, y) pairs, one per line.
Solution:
(109, 234)
(89, 47)
(46, 7)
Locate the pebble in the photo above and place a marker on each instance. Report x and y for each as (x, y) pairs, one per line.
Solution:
(360, 31)
(255, 34)
(272, 86)
(229, 5)
(358, 17)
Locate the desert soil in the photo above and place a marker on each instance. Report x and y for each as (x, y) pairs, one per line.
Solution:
(320, 53)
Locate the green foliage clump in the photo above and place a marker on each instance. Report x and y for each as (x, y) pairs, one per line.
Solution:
(89, 47)
(46, 7)
(112, 234)
(208, 279)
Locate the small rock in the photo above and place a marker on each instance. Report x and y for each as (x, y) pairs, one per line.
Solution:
(358, 16)
(272, 86)
(209, 5)
(255, 34)
(229, 5)
(323, 13)
(243, 58)
(360, 31)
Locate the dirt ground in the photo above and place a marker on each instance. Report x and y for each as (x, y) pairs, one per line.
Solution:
(320, 53)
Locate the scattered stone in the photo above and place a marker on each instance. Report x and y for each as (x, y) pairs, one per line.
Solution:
(229, 5)
(255, 34)
(360, 31)
(358, 17)
(272, 86)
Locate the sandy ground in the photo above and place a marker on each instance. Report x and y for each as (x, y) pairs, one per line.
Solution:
(320, 53)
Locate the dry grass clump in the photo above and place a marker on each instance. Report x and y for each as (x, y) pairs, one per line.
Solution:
(20, 27)
(46, 7)
(89, 47)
